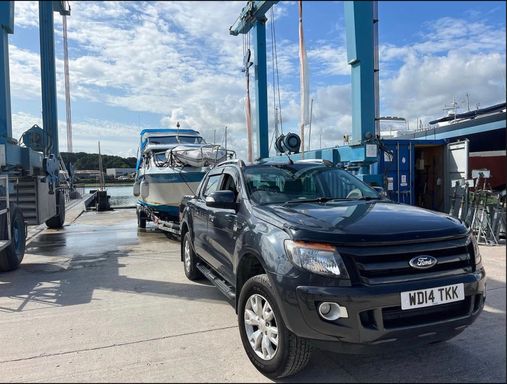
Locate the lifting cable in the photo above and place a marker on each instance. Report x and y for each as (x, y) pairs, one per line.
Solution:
(248, 111)
(277, 105)
(276, 68)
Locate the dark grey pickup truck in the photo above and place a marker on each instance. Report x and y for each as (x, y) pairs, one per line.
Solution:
(310, 256)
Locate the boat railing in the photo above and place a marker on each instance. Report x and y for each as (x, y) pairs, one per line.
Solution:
(174, 152)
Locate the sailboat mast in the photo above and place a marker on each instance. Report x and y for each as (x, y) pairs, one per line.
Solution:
(304, 85)
(225, 139)
(310, 126)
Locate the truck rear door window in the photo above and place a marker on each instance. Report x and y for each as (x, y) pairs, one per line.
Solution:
(211, 185)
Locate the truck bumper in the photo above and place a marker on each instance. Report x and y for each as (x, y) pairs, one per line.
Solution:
(375, 319)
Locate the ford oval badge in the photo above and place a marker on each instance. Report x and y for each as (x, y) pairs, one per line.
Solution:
(423, 262)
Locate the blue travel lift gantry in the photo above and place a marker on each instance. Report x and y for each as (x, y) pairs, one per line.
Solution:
(361, 155)
(30, 187)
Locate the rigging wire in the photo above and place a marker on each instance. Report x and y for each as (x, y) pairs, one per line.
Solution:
(248, 113)
(185, 181)
(273, 84)
(277, 105)
(276, 68)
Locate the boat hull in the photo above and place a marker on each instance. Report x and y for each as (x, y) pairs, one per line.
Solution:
(163, 192)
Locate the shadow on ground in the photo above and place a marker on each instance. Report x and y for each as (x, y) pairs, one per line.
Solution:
(65, 267)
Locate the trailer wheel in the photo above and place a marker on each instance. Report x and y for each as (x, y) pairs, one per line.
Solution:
(141, 218)
(57, 221)
(11, 256)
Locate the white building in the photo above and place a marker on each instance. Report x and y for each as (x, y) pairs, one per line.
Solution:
(117, 172)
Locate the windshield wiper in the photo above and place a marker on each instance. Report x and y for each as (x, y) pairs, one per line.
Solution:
(366, 198)
(321, 199)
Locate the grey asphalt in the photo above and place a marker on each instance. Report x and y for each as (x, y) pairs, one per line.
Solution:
(103, 301)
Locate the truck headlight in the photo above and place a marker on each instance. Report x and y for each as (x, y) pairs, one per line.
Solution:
(322, 259)
(477, 254)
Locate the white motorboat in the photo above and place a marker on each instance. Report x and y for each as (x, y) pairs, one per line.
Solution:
(170, 164)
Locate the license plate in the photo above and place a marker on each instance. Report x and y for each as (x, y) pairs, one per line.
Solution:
(432, 296)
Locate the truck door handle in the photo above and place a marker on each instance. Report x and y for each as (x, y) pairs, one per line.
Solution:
(229, 218)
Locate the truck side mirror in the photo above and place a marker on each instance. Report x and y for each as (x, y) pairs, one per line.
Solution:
(381, 191)
(222, 199)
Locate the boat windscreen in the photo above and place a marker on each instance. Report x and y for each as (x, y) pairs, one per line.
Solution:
(176, 140)
(160, 157)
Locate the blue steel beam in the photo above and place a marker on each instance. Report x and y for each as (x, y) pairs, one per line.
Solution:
(261, 91)
(360, 53)
(6, 27)
(48, 72)
(253, 16)
(249, 15)
(48, 76)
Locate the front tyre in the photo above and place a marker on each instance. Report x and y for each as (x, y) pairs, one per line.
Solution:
(270, 346)
(190, 259)
(12, 255)
(57, 221)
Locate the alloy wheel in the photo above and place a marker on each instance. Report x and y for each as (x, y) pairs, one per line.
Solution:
(261, 327)
(186, 254)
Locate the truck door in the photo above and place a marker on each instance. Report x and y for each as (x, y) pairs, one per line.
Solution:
(200, 213)
(456, 168)
(223, 225)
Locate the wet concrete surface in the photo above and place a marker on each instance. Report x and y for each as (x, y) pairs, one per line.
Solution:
(103, 301)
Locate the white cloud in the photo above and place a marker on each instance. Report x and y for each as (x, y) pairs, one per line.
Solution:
(424, 85)
(26, 14)
(177, 60)
(329, 60)
(115, 138)
(24, 73)
(453, 57)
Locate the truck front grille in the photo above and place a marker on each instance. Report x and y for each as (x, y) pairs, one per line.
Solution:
(390, 264)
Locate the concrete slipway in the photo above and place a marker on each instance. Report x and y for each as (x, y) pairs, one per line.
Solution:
(102, 301)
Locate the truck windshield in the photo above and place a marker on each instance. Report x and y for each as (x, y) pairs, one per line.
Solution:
(293, 183)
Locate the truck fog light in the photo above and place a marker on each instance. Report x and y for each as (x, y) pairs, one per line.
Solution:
(324, 309)
(332, 311)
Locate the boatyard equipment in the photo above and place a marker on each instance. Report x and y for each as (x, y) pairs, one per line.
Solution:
(362, 51)
(422, 172)
(480, 208)
(289, 143)
(486, 131)
(31, 189)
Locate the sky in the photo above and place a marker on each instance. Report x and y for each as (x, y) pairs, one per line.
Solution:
(136, 65)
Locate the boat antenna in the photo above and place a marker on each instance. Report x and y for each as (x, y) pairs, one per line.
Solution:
(304, 82)
(178, 133)
(277, 107)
